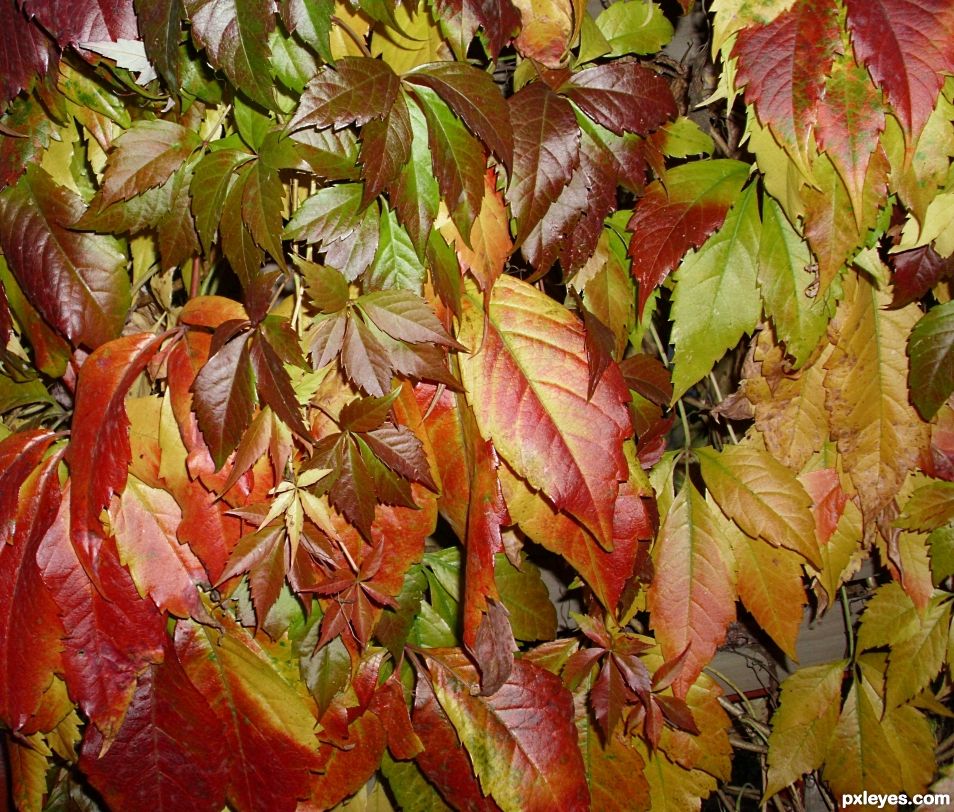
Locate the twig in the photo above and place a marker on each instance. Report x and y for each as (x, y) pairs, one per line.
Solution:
(741, 744)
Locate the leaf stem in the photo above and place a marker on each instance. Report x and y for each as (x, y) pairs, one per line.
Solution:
(718, 391)
(683, 417)
(848, 626)
(353, 34)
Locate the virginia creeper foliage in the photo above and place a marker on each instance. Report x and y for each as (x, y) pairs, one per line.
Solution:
(346, 346)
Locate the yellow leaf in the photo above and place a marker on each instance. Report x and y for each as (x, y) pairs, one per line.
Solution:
(547, 30)
(762, 496)
(804, 723)
(416, 41)
(878, 432)
(341, 42)
(841, 555)
(673, 788)
(916, 660)
(914, 565)
(710, 750)
(28, 765)
(733, 15)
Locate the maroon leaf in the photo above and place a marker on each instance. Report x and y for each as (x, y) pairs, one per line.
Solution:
(235, 35)
(30, 626)
(366, 414)
(917, 271)
(405, 316)
(20, 453)
(908, 45)
(262, 555)
(499, 19)
(400, 449)
(169, 752)
(385, 148)
(145, 156)
(112, 634)
(353, 492)
(238, 244)
(99, 450)
(78, 282)
(472, 94)
(224, 395)
(76, 21)
(160, 23)
(646, 375)
(25, 51)
(546, 151)
(274, 385)
(364, 360)
(622, 96)
(355, 91)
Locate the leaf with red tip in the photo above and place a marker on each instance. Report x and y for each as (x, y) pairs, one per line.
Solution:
(678, 213)
(622, 96)
(235, 33)
(268, 723)
(533, 761)
(917, 271)
(98, 455)
(30, 626)
(546, 151)
(169, 752)
(783, 66)
(692, 594)
(908, 45)
(472, 95)
(113, 635)
(20, 453)
(145, 156)
(224, 396)
(532, 371)
(78, 282)
(145, 521)
(354, 91)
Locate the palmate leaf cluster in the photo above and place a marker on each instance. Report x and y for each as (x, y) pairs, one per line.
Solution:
(324, 324)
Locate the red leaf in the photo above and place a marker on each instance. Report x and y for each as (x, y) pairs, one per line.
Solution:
(783, 66)
(546, 151)
(355, 91)
(78, 282)
(160, 26)
(916, 272)
(113, 635)
(30, 626)
(76, 21)
(401, 450)
(268, 725)
(622, 96)
(346, 770)
(25, 51)
(499, 19)
(444, 761)
(908, 45)
(20, 453)
(274, 385)
(224, 394)
(385, 148)
(530, 372)
(169, 752)
(534, 761)
(364, 360)
(472, 94)
(98, 455)
(678, 213)
(828, 500)
(646, 375)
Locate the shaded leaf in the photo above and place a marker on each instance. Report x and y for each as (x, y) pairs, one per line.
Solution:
(160, 24)
(931, 373)
(274, 385)
(20, 453)
(211, 182)
(916, 271)
(26, 53)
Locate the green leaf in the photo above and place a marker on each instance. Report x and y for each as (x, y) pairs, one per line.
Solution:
(355, 91)
(931, 348)
(310, 20)
(412, 791)
(915, 661)
(457, 157)
(262, 208)
(415, 194)
(715, 300)
(235, 34)
(784, 278)
(523, 592)
(761, 496)
(930, 506)
(293, 63)
(634, 27)
(396, 264)
(804, 723)
(210, 184)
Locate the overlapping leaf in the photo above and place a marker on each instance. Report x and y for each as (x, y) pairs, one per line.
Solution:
(26, 52)
(530, 372)
(931, 373)
(88, 20)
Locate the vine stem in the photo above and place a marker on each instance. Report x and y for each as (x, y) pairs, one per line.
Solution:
(848, 630)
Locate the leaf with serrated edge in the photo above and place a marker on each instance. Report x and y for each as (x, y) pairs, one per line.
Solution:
(78, 282)
(414, 194)
(546, 151)
(531, 368)
(385, 148)
(532, 765)
(762, 496)
(692, 596)
(931, 349)
(396, 265)
(210, 184)
(930, 506)
(715, 300)
(803, 725)
(878, 432)
(262, 208)
(405, 316)
(916, 660)
(235, 36)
